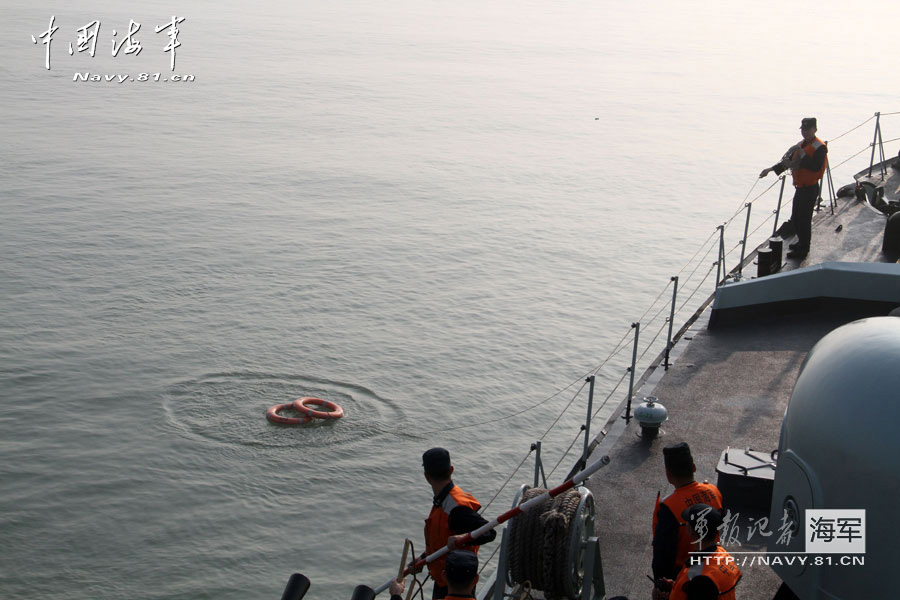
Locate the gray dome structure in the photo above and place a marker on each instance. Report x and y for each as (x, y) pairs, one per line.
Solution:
(840, 449)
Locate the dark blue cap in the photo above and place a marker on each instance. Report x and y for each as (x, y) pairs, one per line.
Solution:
(678, 456)
(461, 567)
(436, 460)
(703, 519)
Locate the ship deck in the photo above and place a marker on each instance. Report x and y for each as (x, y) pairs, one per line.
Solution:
(727, 386)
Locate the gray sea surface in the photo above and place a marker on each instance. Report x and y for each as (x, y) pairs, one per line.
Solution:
(434, 214)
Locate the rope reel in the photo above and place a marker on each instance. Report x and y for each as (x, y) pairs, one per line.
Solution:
(546, 544)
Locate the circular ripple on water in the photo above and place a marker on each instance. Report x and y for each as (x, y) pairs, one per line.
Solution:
(231, 408)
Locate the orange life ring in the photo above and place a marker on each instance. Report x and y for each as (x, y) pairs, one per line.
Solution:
(273, 416)
(302, 405)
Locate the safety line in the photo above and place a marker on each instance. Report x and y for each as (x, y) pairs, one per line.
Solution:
(515, 414)
(741, 207)
(696, 289)
(593, 416)
(505, 483)
(659, 312)
(489, 559)
(758, 227)
(609, 395)
(854, 129)
(763, 193)
(652, 304)
(619, 348)
(735, 215)
(566, 453)
(701, 261)
(552, 425)
(851, 157)
(697, 252)
(647, 349)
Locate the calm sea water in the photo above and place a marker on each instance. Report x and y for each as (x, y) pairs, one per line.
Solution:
(434, 214)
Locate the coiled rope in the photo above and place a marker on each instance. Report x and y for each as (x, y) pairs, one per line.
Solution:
(539, 543)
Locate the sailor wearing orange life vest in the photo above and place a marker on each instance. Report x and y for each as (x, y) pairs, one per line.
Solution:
(454, 513)
(671, 538)
(711, 572)
(807, 161)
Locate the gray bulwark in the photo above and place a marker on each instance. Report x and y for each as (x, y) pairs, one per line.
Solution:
(728, 386)
(864, 288)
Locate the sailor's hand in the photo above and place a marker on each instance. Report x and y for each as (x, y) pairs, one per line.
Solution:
(396, 587)
(788, 156)
(662, 589)
(412, 565)
(764, 172)
(454, 542)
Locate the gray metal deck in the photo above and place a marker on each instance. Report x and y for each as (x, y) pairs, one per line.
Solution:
(727, 387)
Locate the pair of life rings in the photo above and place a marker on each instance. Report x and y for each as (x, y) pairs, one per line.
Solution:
(304, 407)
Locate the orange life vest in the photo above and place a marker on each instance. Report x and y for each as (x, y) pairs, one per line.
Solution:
(718, 566)
(805, 177)
(437, 529)
(682, 498)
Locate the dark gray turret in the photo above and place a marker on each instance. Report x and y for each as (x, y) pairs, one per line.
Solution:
(840, 449)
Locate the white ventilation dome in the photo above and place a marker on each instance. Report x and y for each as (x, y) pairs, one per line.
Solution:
(840, 449)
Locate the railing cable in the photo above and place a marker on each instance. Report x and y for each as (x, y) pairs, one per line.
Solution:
(851, 157)
(505, 483)
(851, 130)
